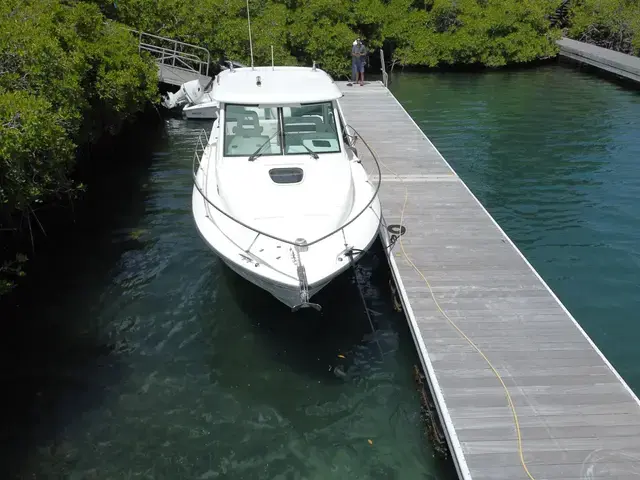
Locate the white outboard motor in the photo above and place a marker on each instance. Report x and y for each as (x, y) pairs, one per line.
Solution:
(189, 92)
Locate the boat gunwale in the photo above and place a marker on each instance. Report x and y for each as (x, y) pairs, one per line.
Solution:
(354, 259)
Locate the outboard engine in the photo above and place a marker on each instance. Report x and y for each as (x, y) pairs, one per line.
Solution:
(189, 92)
(231, 64)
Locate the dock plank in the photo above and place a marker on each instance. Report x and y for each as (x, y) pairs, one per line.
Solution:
(571, 404)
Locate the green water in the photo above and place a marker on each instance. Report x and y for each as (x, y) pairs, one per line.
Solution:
(135, 354)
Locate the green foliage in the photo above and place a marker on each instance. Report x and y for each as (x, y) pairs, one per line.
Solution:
(492, 33)
(613, 24)
(321, 31)
(420, 32)
(35, 152)
(67, 74)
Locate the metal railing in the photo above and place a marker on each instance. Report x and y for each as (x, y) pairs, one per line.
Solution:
(197, 158)
(174, 53)
(383, 69)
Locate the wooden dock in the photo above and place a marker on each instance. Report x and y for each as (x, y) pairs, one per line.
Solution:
(578, 419)
(626, 66)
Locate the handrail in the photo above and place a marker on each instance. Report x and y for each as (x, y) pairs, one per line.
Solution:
(383, 69)
(173, 53)
(156, 49)
(196, 167)
(176, 42)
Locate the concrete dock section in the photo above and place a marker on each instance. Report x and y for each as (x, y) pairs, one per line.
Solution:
(621, 64)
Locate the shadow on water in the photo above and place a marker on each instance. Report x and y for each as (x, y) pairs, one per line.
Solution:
(614, 78)
(56, 363)
(311, 342)
(345, 365)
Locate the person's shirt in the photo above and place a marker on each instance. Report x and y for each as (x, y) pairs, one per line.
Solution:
(361, 49)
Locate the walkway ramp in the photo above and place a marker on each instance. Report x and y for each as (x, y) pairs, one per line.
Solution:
(178, 62)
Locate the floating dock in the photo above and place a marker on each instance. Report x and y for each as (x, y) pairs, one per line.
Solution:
(621, 64)
(577, 418)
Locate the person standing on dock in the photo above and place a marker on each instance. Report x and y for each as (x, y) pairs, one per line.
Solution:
(358, 57)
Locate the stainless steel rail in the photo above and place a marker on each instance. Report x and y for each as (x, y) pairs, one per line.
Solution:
(175, 53)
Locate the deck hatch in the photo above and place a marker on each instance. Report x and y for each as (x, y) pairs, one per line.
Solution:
(286, 175)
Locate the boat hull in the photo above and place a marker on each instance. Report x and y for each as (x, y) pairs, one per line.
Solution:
(201, 111)
(286, 294)
(289, 294)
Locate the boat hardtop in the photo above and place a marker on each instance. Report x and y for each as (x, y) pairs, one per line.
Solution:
(280, 85)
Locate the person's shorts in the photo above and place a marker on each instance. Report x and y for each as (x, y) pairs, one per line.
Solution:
(358, 66)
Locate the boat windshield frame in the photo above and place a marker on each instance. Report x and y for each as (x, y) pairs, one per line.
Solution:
(281, 130)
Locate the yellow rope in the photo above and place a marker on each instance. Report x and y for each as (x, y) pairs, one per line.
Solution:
(459, 330)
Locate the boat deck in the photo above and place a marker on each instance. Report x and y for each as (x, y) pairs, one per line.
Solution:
(578, 419)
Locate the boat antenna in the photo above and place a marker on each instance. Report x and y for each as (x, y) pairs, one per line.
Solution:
(250, 43)
(272, 64)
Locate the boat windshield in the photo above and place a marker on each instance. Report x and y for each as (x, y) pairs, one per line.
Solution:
(294, 130)
(310, 128)
(249, 129)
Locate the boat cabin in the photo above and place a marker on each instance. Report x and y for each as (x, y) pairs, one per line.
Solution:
(278, 111)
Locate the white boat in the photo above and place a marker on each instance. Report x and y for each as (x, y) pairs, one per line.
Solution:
(279, 193)
(205, 108)
(196, 99)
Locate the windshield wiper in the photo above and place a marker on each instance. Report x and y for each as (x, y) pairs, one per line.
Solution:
(311, 152)
(258, 153)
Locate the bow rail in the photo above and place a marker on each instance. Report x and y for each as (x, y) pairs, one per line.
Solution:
(197, 158)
